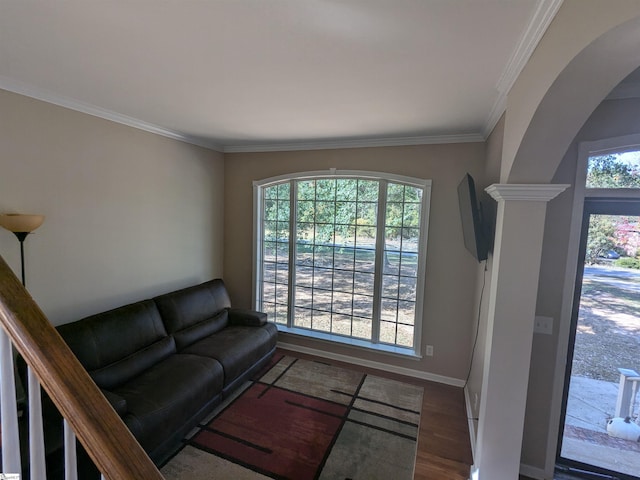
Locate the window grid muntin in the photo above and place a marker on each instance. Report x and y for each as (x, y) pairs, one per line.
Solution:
(400, 300)
(276, 195)
(359, 250)
(334, 312)
(326, 205)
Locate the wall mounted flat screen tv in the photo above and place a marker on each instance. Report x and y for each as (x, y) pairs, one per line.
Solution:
(473, 228)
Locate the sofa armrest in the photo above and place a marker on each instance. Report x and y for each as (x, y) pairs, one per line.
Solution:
(243, 316)
(118, 403)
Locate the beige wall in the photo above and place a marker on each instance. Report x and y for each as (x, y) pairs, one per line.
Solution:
(450, 273)
(129, 214)
(484, 278)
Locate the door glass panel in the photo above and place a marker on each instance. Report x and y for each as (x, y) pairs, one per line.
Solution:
(602, 424)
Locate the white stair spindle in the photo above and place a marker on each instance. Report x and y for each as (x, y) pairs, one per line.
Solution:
(36, 431)
(8, 409)
(70, 457)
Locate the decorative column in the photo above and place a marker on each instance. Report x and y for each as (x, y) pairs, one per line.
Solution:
(511, 311)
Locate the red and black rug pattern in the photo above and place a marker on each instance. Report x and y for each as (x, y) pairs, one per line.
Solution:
(302, 419)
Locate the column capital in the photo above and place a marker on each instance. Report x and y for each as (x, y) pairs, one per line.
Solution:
(525, 191)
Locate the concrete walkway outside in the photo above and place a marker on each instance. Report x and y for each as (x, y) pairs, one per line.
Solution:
(590, 405)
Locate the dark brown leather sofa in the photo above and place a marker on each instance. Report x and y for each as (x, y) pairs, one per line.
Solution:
(165, 363)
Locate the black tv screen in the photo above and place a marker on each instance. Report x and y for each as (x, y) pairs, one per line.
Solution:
(475, 239)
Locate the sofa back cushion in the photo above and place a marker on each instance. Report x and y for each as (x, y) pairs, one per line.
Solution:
(118, 345)
(192, 334)
(195, 312)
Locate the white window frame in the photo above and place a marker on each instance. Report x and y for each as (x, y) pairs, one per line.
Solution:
(257, 273)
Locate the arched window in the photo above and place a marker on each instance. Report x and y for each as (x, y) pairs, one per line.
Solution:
(340, 256)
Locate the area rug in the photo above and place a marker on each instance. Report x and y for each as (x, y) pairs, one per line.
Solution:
(303, 419)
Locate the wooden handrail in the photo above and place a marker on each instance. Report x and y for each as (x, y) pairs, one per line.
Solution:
(107, 440)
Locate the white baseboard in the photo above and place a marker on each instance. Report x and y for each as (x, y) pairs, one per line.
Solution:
(526, 470)
(470, 422)
(409, 372)
(533, 472)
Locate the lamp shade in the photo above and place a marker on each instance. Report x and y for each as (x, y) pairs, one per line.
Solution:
(17, 222)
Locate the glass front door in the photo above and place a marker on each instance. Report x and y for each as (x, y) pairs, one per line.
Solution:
(600, 433)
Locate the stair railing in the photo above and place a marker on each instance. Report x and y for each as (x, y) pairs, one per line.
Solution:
(88, 415)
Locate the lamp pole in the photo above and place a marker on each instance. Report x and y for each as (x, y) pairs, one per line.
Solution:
(21, 237)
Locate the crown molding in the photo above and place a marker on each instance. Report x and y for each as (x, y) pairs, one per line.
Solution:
(525, 192)
(357, 143)
(82, 107)
(538, 24)
(540, 20)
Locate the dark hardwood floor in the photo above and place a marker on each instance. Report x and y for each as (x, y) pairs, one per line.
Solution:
(444, 449)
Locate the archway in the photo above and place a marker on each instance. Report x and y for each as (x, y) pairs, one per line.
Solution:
(537, 135)
(573, 96)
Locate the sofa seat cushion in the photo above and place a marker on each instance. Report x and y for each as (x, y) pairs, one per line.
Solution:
(165, 397)
(237, 348)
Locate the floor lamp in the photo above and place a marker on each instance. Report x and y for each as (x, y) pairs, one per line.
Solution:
(21, 225)
(10, 403)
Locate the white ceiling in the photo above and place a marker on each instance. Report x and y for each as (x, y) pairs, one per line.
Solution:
(240, 75)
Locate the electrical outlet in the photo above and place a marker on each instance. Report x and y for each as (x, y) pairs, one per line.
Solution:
(543, 325)
(429, 350)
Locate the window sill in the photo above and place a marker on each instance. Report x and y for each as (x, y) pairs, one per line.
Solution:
(403, 352)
